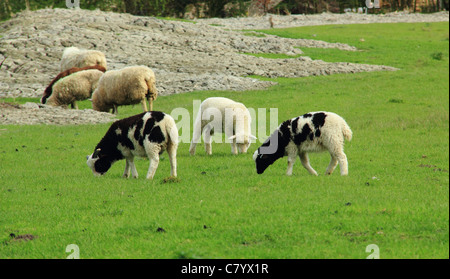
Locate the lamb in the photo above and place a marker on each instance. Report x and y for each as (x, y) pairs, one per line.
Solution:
(75, 57)
(231, 116)
(75, 87)
(311, 132)
(127, 86)
(145, 135)
(48, 91)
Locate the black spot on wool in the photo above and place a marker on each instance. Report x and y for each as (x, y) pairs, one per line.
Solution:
(123, 138)
(306, 115)
(317, 134)
(137, 132)
(156, 135)
(147, 130)
(295, 125)
(157, 115)
(319, 119)
(302, 136)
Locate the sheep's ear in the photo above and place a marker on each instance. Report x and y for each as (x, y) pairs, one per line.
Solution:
(95, 155)
(90, 100)
(232, 137)
(253, 137)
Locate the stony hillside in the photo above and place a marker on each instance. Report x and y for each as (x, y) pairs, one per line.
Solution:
(185, 56)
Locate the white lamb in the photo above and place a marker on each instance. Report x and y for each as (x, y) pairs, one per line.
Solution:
(75, 87)
(75, 57)
(229, 116)
(127, 86)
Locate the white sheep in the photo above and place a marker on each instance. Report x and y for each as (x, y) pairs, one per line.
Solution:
(311, 132)
(127, 86)
(75, 87)
(229, 116)
(75, 57)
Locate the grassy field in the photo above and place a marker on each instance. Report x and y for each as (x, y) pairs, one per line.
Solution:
(396, 195)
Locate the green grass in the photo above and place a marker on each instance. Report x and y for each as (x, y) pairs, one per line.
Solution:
(396, 195)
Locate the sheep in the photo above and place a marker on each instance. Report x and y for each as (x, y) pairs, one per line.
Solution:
(228, 115)
(48, 91)
(75, 87)
(127, 86)
(311, 132)
(75, 57)
(145, 135)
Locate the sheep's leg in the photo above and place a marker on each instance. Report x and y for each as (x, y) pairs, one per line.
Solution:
(305, 162)
(234, 149)
(291, 161)
(196, 135)
(150, 103)
(114, 109)
(208, 145)
(129, 166)
(172, 151)
(154, 161)
(126, 172)
(343, 163)
(74, 105)
(332, 165)
(144, 105)
(152, 150)
(208, 139)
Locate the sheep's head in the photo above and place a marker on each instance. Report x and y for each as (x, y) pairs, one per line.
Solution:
(98, 104)
(98, 162)
(52, 101)
(270, 151)
(242, 141)
(262, 161)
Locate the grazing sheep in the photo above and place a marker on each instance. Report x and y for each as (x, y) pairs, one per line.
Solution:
(145, 135)
(48, 91)
(311, 132)
(75, 87)
(127, 86)
(231, 115)
(75, 57)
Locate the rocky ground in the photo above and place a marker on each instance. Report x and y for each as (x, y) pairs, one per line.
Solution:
(186, 56)
(32, 113)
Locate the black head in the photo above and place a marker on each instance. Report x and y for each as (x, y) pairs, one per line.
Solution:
(271, 150)
(98, 162)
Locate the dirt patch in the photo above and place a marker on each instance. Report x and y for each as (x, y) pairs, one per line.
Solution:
(22, 237)
(433, 167)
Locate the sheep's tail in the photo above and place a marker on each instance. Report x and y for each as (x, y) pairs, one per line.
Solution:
(347, 132)
(173, 132)
(151, 89)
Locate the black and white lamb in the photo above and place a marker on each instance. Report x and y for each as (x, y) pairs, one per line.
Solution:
(311, 132)
(145, 135)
